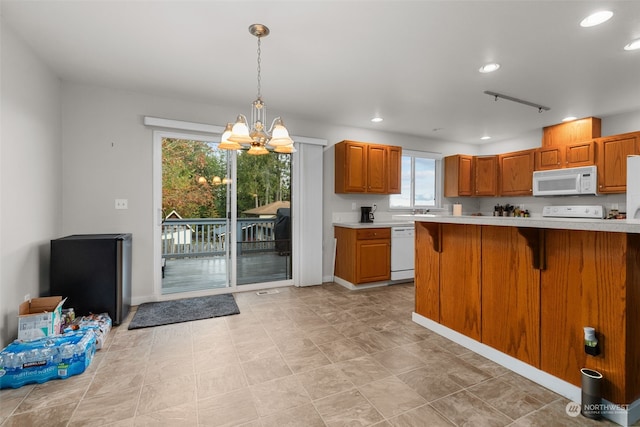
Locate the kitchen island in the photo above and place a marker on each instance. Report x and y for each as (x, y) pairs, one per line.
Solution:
(520, 291)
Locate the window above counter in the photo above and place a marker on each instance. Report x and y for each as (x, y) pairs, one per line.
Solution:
(420, 185)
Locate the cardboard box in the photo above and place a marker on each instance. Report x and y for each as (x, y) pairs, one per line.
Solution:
(39, 317)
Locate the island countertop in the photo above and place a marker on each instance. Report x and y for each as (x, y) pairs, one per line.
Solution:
(609, 225)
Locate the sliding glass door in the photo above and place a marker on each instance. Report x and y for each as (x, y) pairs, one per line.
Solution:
(263, 195)
(226, 217)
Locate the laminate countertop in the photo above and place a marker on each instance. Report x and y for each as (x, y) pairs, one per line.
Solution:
(376, 224)
(608, 225)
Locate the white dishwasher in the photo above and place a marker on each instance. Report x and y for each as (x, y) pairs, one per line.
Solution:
(402, 253)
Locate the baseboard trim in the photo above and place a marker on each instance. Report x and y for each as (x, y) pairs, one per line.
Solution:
(624, 416)
(353, 287)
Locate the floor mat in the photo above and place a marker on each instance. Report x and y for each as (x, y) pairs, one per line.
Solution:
(183, 310)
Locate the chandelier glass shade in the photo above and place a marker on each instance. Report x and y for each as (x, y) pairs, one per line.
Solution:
(255, 135)
(216, 180)
(225, 144)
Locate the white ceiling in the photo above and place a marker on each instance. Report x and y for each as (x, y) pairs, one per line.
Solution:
(415, 63)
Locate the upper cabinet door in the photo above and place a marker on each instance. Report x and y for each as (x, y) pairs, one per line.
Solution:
(350, 167)
(575, 131)
(516, 173)
(580, 154)
(485, 175)
(612, 161)
(377, 169)
(395, 170)
(458, 175)
(549, 158)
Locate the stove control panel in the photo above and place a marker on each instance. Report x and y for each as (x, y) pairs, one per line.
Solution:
(588, 211)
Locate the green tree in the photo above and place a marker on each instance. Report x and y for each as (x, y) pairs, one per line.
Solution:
(266, 178)
(188, 168)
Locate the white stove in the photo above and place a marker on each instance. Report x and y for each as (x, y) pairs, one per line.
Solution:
(580, 211)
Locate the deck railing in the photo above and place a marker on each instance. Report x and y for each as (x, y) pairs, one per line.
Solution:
(194, 237)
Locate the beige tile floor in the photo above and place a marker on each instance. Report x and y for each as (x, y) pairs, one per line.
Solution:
(318, 356)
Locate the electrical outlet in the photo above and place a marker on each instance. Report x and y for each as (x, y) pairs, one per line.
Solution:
(27, 297)
(353, 206)
(122, 204)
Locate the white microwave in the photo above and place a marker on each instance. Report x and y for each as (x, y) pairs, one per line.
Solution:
(566, 182)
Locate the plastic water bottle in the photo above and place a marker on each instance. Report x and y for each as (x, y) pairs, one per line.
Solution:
(48, 355)
(12, 361)
(66, 353)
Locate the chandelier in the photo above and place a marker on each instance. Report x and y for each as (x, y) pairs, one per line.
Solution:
(238, 135)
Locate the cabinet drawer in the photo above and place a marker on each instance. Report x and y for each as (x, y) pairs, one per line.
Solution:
(373, 233)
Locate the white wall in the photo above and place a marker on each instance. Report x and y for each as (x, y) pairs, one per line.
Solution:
(30, 177)
(107, 154)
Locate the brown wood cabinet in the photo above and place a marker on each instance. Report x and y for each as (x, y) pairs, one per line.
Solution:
(551, 157)
(351, 167)
(570, 132)
(460, 286)
(470, 175)
(516, 173)
(363, 255)
(511, 296)
(366, 168)
(612, 161)
(427, 270)
(485, 175)
(565, 156)
(453, 297)
(458, 172)
(395, 170)
(580, 154)
(376, 169)
(529, 292)
(591, 279)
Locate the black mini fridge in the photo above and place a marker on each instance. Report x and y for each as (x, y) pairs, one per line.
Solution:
(93, 271)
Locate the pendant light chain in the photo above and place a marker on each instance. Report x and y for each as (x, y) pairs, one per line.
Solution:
(259, 69)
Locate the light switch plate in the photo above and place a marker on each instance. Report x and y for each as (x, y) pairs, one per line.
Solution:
(122, 204)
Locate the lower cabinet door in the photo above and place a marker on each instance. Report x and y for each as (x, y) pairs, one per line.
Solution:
(373, 260)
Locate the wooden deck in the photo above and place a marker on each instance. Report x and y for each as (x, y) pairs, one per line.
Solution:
(197, 274)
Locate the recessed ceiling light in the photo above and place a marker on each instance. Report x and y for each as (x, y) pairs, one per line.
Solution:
(489, 68)
(569, 119)
(596, 18)
(634, 45)
(485, 137)
(376, 119)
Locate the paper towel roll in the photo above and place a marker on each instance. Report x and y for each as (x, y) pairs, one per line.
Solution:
(457, 209)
